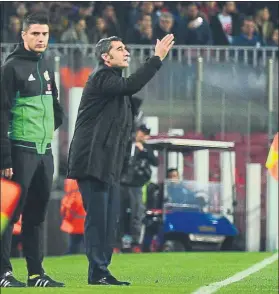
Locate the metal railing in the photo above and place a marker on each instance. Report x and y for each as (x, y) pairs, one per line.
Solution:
(255, 56)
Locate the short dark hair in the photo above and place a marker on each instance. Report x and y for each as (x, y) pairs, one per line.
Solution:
(247, 18)
(143, 15)
(104, 46)
(144, 129)
(35, 18)
(170, 170)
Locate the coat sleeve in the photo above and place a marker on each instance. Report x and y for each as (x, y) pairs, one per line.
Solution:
(109, 83)
(153, 160)
(58, 111)
(8, 94)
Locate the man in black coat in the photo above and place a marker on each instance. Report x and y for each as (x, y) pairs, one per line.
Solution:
(132, 182)
(226, 24)
(100, 146)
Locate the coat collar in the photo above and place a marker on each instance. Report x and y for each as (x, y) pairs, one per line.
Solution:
(115, 69)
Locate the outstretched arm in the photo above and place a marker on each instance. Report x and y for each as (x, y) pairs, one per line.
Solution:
(112, 83)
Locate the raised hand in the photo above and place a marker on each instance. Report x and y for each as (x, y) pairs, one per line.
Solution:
(163, 47)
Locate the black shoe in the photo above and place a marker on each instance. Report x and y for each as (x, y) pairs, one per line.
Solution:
(8, 280)
(110, 280)
(44, 281)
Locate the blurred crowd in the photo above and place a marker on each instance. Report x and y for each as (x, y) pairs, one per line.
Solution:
(193, 23)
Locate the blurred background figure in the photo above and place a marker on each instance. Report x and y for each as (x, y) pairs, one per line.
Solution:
(76, 34)
(195, 30)
(136, 176)
(113, 27)
(165, 26)
(13, 33)
(248, 36)
(21, 11)
(226, 24)
(209, 10)
(16, 250)
(73, 217)
(177, 191)
(263, 25)
(142, 32)
(99, 31)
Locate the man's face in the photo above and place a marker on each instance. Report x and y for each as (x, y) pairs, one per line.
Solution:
(173, 176)
(36, 37)
(117, 56)
(265, 14)
(81, 25)
(146, 21)
(109, 11)
(166, 23)
(147, 7)
(141, 136)
(100, 24)
(230, 7)
(192, 12)
(248, 27)
(275, 36)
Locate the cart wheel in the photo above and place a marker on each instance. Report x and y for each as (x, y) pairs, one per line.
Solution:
(228, 244)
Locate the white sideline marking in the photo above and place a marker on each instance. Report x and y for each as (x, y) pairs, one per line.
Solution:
(213, 287)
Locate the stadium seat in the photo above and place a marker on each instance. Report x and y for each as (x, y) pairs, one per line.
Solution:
(256, 139)
(230, 137)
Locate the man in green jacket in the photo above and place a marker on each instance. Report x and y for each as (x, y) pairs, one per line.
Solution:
(29, 114)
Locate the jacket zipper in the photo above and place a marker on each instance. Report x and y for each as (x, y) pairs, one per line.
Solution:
(41, 81)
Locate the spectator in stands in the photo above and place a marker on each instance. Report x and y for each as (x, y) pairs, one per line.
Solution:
(274, 42)
(225, 24)
(195, 31)
(76, 34)
(147, 7)
(113, 27)
(164, 26)
(264, 26)
(180, 12)
(133, 12)
(209, 9)
(21, 11)
(99, 31)
(142, 33)
(37, 7)
(248, 37)
(161, 7)
(274, 39)
(158, 5)
(59, 21)
(144, 8)
(85, 11)
(13, 33)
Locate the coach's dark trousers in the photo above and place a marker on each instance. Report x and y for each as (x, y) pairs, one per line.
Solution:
(101, 203)
(34, 173)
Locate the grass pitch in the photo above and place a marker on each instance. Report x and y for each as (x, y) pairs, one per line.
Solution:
(162, 273)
